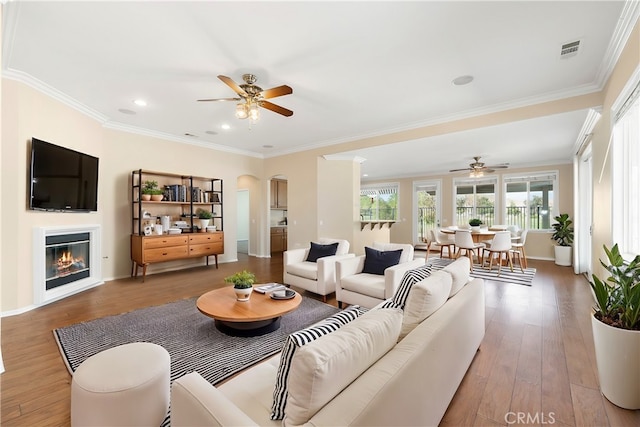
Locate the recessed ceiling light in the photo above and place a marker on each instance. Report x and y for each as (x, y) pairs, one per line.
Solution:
(225, 126)
(267, 146)
(462, 80)
(365, 175)
(125, 111)
(140, 102)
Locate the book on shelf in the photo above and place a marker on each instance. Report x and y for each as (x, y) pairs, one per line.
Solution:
(269, 287)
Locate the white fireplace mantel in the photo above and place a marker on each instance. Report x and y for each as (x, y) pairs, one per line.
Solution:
(43, 296)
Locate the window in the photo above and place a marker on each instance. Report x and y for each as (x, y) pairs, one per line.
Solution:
(475, 199)
(530, 200)
(626, 173)
(379, 202)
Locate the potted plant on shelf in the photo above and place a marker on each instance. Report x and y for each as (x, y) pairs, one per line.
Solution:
(204, 216)
(150, 191)
(475, 224)
(242, 284)
(563, 235)
(616, 329)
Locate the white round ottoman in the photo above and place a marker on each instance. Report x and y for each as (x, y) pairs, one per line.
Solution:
(126, 385)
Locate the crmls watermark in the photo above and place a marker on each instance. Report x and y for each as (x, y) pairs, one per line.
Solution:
(530, 418)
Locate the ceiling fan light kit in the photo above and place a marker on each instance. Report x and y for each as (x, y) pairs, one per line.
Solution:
(252, 97)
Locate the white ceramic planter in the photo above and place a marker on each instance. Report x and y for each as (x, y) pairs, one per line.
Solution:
(618, 361)
(243, 294)
(203, 224)
(562, 255)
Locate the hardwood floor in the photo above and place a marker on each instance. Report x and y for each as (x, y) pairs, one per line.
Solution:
(536, 365)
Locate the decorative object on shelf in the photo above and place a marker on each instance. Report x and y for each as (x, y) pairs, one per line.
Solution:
(475, 224)
(563, 235)
(242, 284)
(616, 329)
(147, 230)
(204, 216)
(150, 191)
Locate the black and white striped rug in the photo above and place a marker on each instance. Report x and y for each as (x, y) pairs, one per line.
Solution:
(190, 337)
(506, 275)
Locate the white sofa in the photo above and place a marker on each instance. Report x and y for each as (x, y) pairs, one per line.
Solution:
(368, 290)
(411, 384)
(318, 277)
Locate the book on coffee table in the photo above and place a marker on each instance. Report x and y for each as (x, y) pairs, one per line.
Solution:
(269, 287)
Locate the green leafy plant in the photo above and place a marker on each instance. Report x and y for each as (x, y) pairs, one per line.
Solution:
(475, 222)
(203, 214)
(562, 230)
(241, 280)
(618, 297)
(151, 187)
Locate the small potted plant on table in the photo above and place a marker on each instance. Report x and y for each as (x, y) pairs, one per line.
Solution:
(563, 235)
(242, 284)
(205, 217)
(475, 224)
(150, 191)
(616, 329)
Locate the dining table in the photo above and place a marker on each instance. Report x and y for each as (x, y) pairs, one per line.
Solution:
(477, 235)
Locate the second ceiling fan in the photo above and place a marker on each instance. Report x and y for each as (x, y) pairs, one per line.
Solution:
(253, 97)
(478, 168)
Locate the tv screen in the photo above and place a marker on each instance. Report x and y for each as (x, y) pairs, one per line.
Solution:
(62, 179)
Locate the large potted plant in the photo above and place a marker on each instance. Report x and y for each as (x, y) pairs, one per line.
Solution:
(563, 235)
(616, 329)
(242, 284)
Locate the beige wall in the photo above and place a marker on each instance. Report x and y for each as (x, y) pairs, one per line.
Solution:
(628, 62)
(28, 113)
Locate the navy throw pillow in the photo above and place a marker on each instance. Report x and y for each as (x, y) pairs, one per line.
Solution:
(375, 262)
(318, 251)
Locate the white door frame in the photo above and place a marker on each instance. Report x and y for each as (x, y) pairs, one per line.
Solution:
(414, 211)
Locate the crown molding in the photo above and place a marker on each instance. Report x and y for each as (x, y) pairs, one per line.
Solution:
(170, 137)
(628, 18)
(348, 157)
(52, 92)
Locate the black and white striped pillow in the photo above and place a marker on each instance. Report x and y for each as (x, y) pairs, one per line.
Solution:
(297, 340)
(410, 278)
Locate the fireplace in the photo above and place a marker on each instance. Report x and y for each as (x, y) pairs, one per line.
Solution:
(66, 261)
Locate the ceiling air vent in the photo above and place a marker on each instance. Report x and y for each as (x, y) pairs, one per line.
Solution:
(569, 49)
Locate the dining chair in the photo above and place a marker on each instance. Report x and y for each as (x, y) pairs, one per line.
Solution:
(519, 246)
(500, 245)
(440, 240)
(464, 241)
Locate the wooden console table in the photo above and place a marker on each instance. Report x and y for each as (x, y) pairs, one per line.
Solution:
(146, 250)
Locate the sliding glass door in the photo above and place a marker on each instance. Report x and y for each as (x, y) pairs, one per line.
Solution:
(426, 208)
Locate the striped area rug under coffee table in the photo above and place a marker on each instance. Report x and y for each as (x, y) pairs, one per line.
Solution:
(506, 275)
(190, 337)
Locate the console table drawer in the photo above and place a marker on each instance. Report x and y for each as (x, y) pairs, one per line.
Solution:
(163, 241)
(202, 238)
(206, 249)
(165, 254)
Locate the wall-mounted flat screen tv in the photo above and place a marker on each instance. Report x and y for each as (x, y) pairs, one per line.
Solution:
(62, 179)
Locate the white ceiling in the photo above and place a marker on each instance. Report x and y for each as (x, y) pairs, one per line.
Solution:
(356, 68)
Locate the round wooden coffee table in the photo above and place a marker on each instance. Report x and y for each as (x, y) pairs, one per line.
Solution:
(258, 316)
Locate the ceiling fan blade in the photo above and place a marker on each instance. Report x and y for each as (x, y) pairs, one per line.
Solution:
(276, 91)
(276, 108)
(487, 170)
(461, 170)
(219, 99)
(498, 167)
(233, 85)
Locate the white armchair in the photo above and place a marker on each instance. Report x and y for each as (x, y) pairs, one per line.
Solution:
(366, 289)
(318, 277)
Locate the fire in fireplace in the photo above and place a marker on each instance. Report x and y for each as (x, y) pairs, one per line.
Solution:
(67, 259)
